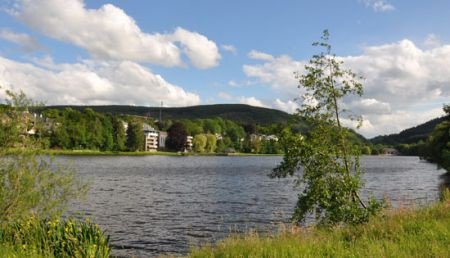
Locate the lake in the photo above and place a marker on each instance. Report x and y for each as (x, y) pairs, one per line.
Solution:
(154, 205)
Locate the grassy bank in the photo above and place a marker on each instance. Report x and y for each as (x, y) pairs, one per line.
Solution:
(401, 233)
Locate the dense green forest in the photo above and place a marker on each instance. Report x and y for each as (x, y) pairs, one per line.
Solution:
(82, 128)
(238, 113)
(437, 146)
(410, 135)
(70, 129)
(413, 141)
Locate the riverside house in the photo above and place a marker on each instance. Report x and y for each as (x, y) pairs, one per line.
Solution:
(151, 138)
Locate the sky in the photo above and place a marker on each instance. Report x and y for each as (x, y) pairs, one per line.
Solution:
(201, 52)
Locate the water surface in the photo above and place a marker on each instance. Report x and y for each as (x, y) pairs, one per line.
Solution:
(154, 205)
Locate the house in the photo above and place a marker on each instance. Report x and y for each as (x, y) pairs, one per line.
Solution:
(151, 138)
(189, 143)
(390, 151)
(162, 139)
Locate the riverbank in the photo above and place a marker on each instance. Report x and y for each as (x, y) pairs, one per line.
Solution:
(135, 153)
(400, 233)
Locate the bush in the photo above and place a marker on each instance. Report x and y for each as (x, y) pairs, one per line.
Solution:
(53, 238)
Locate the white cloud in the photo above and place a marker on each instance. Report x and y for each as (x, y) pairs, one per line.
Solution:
(287, 106)
(224, 96)
(279, 73)
(92, 82)
(379, 5)
(260, 55)
(403, 86)
(396, 121)
(370, 106)
(109, 33)
(252, 101)
(229, 48)
(432, 41)
(26, 42)
(202, 52)
(233, 83)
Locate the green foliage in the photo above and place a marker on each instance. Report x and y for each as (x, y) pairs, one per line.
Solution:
(176, 137)
(199, 142)
(409, 136)
(421, 233)
(30, 185)
(34, 237)
(437, 147)
(329, 162)
(33, 190)
(238, 113)
(118, 134)
(211, 143)
(135, 136)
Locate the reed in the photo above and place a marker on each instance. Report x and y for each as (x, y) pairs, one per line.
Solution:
(53, 238)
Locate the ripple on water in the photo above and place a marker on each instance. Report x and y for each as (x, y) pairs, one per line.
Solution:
(155, 204)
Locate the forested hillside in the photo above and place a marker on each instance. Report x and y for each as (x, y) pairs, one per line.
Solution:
(235, 112)
(409, 136)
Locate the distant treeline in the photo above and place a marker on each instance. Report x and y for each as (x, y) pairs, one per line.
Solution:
(238, 113)
(89, 130)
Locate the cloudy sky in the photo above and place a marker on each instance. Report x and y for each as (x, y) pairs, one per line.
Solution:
(204, 52)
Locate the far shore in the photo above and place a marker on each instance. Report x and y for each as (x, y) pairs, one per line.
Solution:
(130, 153)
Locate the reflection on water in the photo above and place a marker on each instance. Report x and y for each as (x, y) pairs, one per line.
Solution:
(155, 204)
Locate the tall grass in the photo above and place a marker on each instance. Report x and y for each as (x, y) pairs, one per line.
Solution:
(401, 233)
(53, 238)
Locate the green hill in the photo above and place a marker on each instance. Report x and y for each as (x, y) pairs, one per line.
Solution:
(408, 136)
(236, 112)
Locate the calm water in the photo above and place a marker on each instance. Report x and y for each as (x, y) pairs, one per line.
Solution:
(153, 205)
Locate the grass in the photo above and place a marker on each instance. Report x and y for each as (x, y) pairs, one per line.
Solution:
(53, 238)
(401, 233)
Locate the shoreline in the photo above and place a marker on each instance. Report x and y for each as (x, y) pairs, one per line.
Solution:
(124, 153)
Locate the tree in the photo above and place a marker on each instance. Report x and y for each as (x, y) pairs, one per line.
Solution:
(30, 184)
(327, 161)
(437, 148)
(211, 143)
(176, 137)
(135, 136)
(199, 142)
(119, 136)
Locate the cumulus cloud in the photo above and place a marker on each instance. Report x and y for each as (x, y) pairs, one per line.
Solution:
(224, 96)
(278, 72)
(109, 33)
(229, 48)
(26, 42)
(260, 55)
(432, 41)
(252, 101)
(379, 5)
(286, 106)
(400, 78)
(92, 82)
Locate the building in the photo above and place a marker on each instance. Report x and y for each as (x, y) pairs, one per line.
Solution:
(390, 151)
(151, 138)
(189, 143)
(162, 139)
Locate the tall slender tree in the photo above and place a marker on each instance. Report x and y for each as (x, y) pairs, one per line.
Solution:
(328, 163)
(135, 136)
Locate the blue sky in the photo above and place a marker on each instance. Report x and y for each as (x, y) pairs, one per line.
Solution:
(206, 52)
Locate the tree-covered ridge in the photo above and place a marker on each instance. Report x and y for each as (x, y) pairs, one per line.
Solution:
(238, 113)
(410, 135)
(70, 129)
